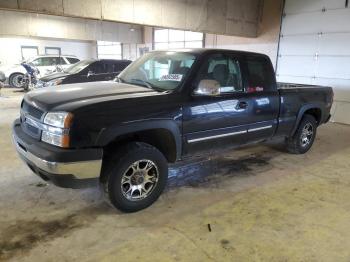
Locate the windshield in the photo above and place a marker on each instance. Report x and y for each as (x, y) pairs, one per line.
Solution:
(161, 71)
(76, 68)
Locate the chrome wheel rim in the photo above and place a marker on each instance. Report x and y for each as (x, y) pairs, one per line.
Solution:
(18, 81)
(306, 135)
(139, 180)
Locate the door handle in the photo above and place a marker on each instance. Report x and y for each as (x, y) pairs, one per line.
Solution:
(242, 105)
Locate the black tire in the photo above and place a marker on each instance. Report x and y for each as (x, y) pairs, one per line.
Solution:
(13, 80)
(120, 164)
(298, 144)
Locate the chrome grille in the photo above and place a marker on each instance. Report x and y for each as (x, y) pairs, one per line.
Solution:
(28, 110)
(31, 110)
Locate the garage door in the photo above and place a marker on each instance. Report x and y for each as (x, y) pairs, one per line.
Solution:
(315, 48)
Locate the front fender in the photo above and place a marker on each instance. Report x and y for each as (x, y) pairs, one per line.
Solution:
(107, 135)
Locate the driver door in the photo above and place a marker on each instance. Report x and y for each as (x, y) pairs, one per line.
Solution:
(215, 121)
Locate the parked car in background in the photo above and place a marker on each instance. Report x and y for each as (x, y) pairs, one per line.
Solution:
(2, 80)
(90, 70)
(2, 77)
(45, 63)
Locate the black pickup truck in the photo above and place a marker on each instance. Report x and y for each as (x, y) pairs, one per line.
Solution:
(165, 106)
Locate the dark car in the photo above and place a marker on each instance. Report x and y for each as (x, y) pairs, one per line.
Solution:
(90, 70)
(167, 106)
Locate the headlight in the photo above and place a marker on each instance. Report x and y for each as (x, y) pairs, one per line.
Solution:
(58, 119)
(56, 130)
(54, 82)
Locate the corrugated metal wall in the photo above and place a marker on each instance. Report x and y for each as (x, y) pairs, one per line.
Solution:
(315, 48)
(229, 17)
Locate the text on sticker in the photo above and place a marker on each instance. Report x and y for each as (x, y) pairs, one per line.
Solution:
(171, 77)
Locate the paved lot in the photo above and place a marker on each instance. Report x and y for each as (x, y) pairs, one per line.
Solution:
(256, 204)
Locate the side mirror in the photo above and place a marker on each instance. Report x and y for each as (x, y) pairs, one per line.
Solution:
(90, 73)
(207, 87)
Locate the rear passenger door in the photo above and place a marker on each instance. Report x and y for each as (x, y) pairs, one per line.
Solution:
(261, 91)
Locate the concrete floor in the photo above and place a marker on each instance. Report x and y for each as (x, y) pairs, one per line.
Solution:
(260, 203)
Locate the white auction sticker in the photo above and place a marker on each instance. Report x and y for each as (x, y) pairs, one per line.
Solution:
(171, 77)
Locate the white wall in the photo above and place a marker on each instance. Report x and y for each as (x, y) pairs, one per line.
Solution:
(232, 17)
(75, 36)
(37, 25)
(132, 51)
(268, 34)
(10, 48)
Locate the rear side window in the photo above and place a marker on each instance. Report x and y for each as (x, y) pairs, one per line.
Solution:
(118, 67)
(72, 60)
(260, 77)
(115, 67)
(46, 61)
(98, 68)
(62, 61)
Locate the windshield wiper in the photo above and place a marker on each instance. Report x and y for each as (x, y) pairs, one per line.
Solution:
(143, 82)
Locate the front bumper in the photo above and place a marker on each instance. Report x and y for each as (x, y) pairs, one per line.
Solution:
(72, 168)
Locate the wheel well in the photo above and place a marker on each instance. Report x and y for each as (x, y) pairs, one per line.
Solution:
(162, 139)
(15, 73)
(315, 112)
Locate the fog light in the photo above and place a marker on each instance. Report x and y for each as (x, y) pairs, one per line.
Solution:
(57, 140)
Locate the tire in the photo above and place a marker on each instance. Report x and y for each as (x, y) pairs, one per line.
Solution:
(126, 170)
(304, 137)
(13, 80)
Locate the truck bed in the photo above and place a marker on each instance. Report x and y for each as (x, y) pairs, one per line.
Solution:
(296, 99)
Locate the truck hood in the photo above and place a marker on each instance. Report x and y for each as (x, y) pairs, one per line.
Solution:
(72, 96)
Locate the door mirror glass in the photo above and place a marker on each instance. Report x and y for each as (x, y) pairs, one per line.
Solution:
(208, 87)
(90, 73)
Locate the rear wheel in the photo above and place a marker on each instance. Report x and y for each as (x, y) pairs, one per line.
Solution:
(16, 80)
(136, 177)
(304, 137)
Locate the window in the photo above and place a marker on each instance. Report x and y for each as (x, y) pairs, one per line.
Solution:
(62, 61)
(159, 70)
(98, 68)
(224, 70)
(118, 67)
(48, 61)
(29, 51)
(78, 67)
(109, 50)
(260, 77)
(173, 39)
(53, 51)
(72, 60)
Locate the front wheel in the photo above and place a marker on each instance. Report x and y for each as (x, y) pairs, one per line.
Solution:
(16, 80)
(136, 178)
(304, 137)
